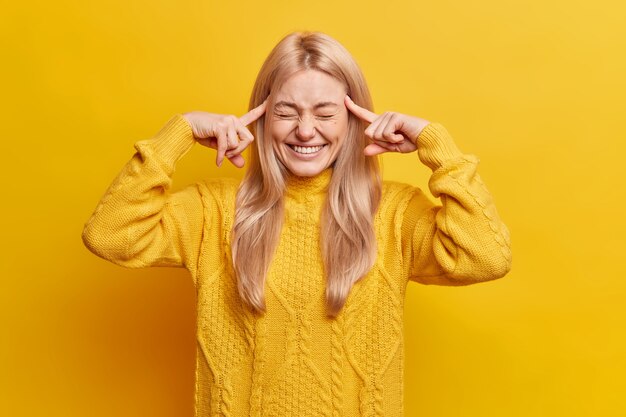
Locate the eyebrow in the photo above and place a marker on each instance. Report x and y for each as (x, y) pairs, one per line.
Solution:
(295, 106)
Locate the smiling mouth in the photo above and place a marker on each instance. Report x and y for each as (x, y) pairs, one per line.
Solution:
(305, 150)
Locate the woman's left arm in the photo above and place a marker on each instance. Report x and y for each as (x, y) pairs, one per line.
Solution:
(461, 242)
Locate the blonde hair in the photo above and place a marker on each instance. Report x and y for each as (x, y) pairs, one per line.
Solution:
(348, 239)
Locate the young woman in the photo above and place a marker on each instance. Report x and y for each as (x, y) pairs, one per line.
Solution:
(301, 269)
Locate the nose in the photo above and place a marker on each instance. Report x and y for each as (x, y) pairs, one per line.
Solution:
(305, 129)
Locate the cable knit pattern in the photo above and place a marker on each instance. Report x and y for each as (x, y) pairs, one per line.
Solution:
(337, 366)
(257, 372)
(294, 360)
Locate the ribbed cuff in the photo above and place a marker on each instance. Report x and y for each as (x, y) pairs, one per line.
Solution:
(174, 140)
(435, 146)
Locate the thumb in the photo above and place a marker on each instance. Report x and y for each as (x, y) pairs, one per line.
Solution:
(374, 149)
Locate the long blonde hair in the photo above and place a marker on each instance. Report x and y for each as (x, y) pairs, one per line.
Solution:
(348, 239)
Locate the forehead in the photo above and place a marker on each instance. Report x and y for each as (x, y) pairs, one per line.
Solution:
(309, 87)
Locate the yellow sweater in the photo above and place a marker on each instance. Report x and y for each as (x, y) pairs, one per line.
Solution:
(294, 361)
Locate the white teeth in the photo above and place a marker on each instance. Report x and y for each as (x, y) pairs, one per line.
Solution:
(306, 149)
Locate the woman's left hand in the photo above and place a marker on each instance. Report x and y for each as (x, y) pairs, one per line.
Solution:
(390, 131)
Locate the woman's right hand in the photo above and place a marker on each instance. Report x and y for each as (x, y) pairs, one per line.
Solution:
(226, 133)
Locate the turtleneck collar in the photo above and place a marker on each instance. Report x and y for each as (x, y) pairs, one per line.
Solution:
(304, 189)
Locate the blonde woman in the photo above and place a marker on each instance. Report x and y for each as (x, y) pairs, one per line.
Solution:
(301, 268)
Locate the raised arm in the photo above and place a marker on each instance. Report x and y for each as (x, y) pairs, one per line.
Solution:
(463, 240)
(139, 222)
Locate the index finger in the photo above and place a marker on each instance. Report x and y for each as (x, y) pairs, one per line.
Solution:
(359, 111)
(253, 114)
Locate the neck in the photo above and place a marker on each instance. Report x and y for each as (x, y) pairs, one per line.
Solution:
(307, 188)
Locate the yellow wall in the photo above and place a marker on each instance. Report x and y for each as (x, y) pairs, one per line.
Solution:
(535, 89)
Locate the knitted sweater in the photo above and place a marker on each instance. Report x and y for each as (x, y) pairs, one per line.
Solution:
(294, 360)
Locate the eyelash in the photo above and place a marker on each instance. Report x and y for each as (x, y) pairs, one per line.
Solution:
(289, 116)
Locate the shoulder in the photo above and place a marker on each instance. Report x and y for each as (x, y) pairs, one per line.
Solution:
(394, 191)
(394, 187)
(223, 189)
(397, 196)
(220, 182)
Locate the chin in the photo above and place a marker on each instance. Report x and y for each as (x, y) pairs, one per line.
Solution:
(306, 171)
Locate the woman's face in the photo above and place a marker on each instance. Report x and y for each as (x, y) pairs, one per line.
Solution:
(309, 122)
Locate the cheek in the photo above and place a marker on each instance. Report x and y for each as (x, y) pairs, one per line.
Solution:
(337, 130)
(281, 129)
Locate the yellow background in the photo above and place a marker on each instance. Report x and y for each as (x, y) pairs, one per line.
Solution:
(535, 89)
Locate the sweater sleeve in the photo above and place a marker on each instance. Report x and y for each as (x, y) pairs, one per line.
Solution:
(462, 241)
(139, 222)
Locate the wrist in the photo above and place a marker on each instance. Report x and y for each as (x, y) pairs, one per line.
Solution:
(421, 125)
(435, 146)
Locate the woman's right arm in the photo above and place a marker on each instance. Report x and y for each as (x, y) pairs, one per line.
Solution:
(139, 222)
